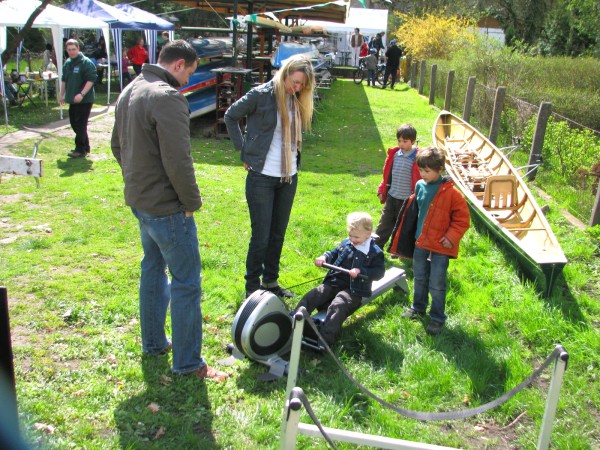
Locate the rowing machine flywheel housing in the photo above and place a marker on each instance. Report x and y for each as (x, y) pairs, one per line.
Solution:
(262, 327)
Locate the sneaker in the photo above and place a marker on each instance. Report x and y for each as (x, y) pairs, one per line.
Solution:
(206, 372)
(434, 328)
(412, 314)
(278, 291)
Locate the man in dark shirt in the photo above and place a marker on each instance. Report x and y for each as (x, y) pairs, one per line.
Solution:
(392, 55)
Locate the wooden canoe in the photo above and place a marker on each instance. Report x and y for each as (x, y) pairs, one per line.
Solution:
(499, 197)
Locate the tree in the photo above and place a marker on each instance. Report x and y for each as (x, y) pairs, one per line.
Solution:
(12, 47)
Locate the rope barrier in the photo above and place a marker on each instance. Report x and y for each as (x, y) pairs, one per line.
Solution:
(449, 415)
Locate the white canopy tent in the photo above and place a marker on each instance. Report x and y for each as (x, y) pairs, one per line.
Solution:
(15, 13)
(369, 21)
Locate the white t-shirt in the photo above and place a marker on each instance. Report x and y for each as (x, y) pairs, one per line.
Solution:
(272, 165)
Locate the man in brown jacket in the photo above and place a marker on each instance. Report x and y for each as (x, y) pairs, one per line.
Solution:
(151, 142)
(356, 41)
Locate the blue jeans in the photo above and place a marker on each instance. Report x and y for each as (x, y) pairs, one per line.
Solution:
(171, 241)
(270, 203)
(430, 278)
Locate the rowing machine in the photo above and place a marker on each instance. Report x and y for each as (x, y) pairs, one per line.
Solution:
(262, 327)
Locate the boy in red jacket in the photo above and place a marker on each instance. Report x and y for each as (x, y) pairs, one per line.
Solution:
(443, 218)
(400, 175)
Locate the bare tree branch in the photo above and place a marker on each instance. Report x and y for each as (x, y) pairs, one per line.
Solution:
(12, 48)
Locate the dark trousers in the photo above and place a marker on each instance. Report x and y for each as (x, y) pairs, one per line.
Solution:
(390, 70)
(270, 203)
(387, 221)
(340, 305)
(137, 68)
(79, 114)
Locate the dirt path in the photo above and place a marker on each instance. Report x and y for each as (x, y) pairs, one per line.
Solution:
(99, 130)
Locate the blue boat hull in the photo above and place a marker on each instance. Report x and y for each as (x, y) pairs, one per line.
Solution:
(200, 91)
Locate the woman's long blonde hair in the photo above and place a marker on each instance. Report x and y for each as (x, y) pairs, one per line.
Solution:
(296, 63)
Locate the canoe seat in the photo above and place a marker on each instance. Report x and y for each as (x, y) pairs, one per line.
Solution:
(500, 193)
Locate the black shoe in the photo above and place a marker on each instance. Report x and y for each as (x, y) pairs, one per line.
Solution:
(76, 154)
(278, 291)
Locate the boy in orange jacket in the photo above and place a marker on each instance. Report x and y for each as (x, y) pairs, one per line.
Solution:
(442, 220)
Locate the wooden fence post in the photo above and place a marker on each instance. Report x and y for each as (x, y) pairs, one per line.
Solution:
(422, 76)
(538, 137)
(413, 74)
(595, 220)
(469, 98)
(432, 84)
(498, 106)
(448, 98)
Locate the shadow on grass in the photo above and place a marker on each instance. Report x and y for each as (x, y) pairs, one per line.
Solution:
(71, 166)
(184, 419)
(470, 355)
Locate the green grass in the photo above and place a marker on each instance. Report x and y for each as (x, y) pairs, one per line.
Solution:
(70, 252)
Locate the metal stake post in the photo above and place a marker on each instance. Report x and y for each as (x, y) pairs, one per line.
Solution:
(289, 425)
(552, 401)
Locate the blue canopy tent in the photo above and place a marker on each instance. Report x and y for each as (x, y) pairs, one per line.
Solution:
(123, 17)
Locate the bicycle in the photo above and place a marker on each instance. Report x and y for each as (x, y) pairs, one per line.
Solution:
(361, 72)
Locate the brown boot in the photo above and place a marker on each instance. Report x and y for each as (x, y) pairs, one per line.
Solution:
(206, 372)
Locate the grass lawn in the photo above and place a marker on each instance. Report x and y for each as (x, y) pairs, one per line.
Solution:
(70, 252)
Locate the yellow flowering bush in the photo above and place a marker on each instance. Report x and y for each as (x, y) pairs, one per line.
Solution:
(433, 35)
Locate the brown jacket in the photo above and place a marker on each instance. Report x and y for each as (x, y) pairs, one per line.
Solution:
(151, 142)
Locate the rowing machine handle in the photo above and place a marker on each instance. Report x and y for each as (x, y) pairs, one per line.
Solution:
(341, 269)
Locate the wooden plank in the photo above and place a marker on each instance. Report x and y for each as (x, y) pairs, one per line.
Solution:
(21, 166)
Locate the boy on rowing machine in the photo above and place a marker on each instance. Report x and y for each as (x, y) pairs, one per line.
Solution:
(341, 291)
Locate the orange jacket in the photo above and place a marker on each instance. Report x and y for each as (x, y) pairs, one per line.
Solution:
(448, 216)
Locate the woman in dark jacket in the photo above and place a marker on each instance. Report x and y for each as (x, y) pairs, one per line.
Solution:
(276, 113)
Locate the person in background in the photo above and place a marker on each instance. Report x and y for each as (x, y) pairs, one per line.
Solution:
(125, 68)
(371, 65)
(356, 42)
(364, 50)
(100, 55)
(151, 142)
(10, 90)
(276, 114)
(49, 57)
(434, 229)
(161, 41)
(400, 176)
(138, 56)
(77, 89)
(392, 56)
(377, 43)
(342, 292)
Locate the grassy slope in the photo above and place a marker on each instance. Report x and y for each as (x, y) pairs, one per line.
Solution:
(72, 273)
